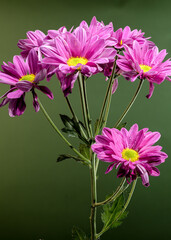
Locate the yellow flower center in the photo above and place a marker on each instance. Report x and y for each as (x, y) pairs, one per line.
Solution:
(73, 61)
(130, 155)
(29, 78)
(121, 42)
(145, 68)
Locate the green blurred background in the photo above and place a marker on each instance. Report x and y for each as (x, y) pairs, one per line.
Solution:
(40, 199)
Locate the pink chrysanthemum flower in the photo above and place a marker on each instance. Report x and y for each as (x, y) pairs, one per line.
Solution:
(23, 76)
(34, 41)
(77, 52)
(144, 62)
(125, 37)
(132, 151)
(98, 28)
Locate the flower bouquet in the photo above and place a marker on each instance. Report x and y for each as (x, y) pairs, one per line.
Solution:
(74, 56)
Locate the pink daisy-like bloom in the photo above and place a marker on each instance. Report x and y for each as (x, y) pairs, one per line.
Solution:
(125, 37)
(132, 151)
(34, 41)
(23, 76)
(98, 28)
(77, 53)
(144, 62)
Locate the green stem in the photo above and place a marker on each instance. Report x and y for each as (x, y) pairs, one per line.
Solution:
(93, 199)
(106, 227)
(128, 200)
(116, 194)
(130, 104)
(61, 135)
(107, 108)
(86, 104)
(105, 119)
(71, 109)
(83, 104)
(75, 117)
(106, 97)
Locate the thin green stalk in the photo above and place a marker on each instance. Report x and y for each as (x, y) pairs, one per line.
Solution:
(116, 194)
(106, 97)
(71, 109)
(128, 200)
(61, 135)
(83, 104)
(75, 117)
(107, 108)
(93, 199)
(105, 118)
(87, 107)
(130, 104)
(106, 227)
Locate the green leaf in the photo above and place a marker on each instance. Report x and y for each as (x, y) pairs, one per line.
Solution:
(72, 127)
(66, 156)
(122, 125)
(78, 234)
(111, 215)
(70, 124)
(66, 121)
(84, 150)
(71, 133)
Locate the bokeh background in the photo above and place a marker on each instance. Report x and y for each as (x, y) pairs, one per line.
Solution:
(40, 199)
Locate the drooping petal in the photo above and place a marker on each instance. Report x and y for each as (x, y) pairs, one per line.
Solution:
(4, 102)
(110, 168)
(35, 101)
(46, 91)
(114, 86)
(67, 82)
(144, 175)
(24, 86)
(17, 106)
(15, 94)
(151, 90)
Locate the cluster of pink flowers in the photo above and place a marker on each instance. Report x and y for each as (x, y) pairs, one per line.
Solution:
(88, 50)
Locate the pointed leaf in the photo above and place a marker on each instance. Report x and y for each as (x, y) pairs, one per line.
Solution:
(68, 156)
(70, 132)
(66, 121)
(78, 234)
(84, 150)
(112, 213)
(72, 127)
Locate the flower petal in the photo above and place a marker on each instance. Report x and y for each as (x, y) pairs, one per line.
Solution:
(24, 86)
(46, 91)
(14, 95)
